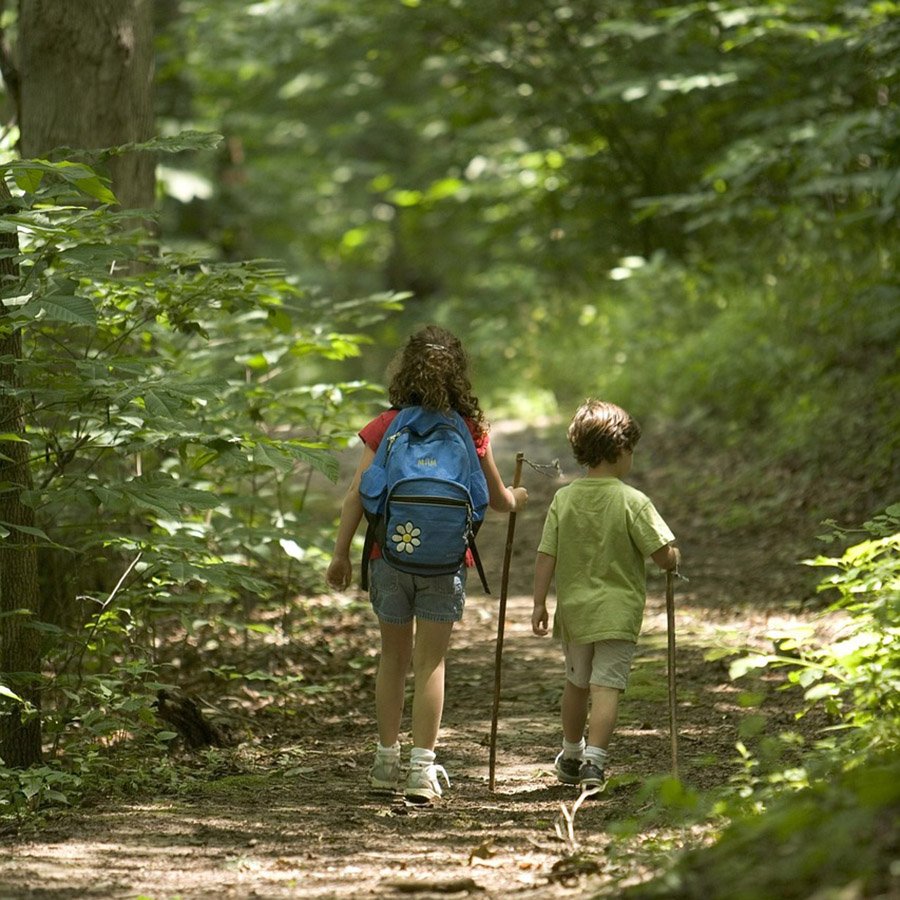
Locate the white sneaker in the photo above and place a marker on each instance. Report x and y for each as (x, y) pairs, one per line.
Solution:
(385, 773)
(422, 785)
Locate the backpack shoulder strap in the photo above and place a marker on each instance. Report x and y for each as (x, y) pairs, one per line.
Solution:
(478, 566)
(368, 543)
(378, 461)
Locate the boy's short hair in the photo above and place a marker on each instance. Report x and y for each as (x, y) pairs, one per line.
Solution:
(601, 432)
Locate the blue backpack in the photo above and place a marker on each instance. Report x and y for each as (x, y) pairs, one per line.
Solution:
(424, 495)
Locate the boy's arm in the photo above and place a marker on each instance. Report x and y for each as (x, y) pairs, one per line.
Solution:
(340, 569)
(544, 567)
(667, 557)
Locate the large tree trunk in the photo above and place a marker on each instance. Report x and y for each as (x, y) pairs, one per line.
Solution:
(86, 76)
(85, 81)
(20, 738)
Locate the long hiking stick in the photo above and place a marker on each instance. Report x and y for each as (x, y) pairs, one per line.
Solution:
(501, 623)
(670, 622)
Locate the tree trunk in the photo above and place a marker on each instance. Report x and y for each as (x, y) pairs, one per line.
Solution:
(86, 75)
(85, 81)
(20, 737)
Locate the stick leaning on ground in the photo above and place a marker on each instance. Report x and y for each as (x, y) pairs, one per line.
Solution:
(501, 623)
(670, 623)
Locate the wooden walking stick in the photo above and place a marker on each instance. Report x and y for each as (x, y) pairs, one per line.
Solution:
(504, 585)
(670, 621)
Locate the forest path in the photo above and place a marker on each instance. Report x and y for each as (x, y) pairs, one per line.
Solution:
(322, 834)
(316, 831)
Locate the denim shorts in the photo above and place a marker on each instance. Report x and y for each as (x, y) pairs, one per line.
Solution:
(604, 663)
(398, 597)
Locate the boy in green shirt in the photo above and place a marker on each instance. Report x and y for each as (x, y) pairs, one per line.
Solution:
(596, 536)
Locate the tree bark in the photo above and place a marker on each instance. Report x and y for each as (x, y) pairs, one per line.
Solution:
(85, 81)
(20, 660)
(86, 75)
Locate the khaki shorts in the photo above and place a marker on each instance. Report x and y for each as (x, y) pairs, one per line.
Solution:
(604, 663)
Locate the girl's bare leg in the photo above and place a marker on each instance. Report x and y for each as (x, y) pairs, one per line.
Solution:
(432, 641)
(390, 682)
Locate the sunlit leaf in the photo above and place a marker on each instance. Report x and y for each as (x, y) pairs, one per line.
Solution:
(745, 664)
(6, 692)
(60, 308)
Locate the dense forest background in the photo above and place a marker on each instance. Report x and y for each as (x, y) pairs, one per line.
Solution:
(220, 220)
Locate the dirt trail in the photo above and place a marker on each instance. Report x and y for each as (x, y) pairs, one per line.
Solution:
(321, 834)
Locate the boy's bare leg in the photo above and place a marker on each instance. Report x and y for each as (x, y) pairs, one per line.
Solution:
(390, 682)
(604, 712)
(432, 641)
(574, 711)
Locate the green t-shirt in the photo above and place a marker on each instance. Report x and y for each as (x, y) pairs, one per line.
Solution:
(601, 530)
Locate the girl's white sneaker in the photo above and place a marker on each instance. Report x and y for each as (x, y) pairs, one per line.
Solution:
(422, 784)
(385, 773)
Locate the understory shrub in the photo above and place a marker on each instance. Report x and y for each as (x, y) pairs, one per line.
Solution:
(829, 825)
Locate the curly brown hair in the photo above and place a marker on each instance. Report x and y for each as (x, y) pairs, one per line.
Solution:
(431, 370)
(601, 431)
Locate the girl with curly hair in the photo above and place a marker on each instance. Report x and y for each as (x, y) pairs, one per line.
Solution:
(416, 613)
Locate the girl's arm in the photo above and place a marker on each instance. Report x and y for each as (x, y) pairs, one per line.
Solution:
(340, 569)
(502, 498)
(544, 567)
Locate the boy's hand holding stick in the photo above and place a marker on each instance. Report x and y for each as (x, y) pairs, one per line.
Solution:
(501, 616)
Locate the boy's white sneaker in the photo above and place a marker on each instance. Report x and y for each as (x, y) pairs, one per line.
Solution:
(422, 784)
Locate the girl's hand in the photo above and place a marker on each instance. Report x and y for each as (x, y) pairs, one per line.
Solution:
(539, 619)
(521, 498)
(339, 573)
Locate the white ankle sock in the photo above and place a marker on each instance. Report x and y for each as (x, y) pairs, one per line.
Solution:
(573, 750)
(392, 752)
(419, 756)
(596, 755)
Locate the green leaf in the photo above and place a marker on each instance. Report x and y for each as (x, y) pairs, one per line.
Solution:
(60, 308)
(6, 692)
(272, 457)
(751, 726)
(95, 188)
(185, 140)
(822, 690)
(28, 180)
(29, 174)
(159, 406)
(320, 459)
(745, 664)
(27, 529)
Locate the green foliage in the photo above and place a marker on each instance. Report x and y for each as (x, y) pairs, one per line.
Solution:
(856, 678)
(23, 793)
(177, 411)
(684, 208)
(106, 740)
(511, 152)
(835, 835)
(823, 820)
